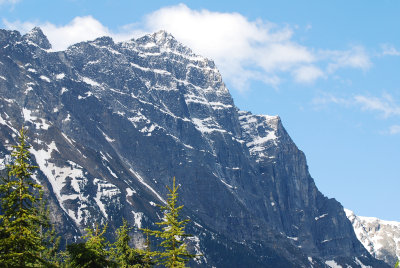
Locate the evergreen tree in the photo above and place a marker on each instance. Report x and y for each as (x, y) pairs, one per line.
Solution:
(175, 254)
(123, 254)
(49, 237)
(20, 241)
(92, 253)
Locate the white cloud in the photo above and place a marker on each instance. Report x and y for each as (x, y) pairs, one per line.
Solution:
(307, 74)
(12, 2)
(395, 129)
(356, 57)
(243, 50)
(325, 99)
(385, 105)
(389, 50)
(79, 29)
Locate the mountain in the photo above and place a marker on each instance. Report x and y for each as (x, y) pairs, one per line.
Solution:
(381, 238)
(111, 124)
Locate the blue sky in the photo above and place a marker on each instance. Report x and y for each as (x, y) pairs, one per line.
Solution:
(331, 70)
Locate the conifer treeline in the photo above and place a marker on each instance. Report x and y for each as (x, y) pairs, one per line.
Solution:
(28, 239)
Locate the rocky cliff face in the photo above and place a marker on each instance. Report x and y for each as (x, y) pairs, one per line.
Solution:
(111, 123)
(381, 238)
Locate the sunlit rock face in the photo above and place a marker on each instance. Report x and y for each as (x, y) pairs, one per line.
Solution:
(381, 238)
(111, 123)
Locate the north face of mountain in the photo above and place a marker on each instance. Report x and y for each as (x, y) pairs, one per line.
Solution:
(111, 123)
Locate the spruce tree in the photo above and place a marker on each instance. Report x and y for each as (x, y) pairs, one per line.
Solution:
(48, 235)
(20, 241)
(123, 254)
(175, 253)
(92, 253)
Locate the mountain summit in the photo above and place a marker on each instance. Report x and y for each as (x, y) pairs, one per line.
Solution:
(37, 37)
(111, 123)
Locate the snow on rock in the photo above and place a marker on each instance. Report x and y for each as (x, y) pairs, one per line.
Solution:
(105, 194)
(333, 264)
(91, 82)
(381, 238)
(71, 174)
(88, 94)
(322, 216)
(141, 180)
(195, 243)
(60, 76)
(138, 218)
(361, 264)
(5, 161)
(45, 78)
(106, 136)
(28, 117)
(129, 192)
(112, 173)
(260, 133)
(207, 125)
(63, 90)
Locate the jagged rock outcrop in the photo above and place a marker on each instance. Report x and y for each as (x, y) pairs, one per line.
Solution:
(112, 123)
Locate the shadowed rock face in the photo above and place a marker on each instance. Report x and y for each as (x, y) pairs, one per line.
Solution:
(111, 123)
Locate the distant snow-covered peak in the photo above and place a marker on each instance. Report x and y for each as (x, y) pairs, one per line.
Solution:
(381, 238)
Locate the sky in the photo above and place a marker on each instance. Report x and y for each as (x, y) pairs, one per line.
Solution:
(329, 69)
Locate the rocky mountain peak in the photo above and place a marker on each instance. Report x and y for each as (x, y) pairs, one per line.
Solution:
(112, 123)
(37, 37)
(163, 36)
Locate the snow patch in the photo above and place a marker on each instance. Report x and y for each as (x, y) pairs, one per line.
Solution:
(112, 173)
(63, 90)
(207, 125)
(28, 117)
(88, 94)
(57, 176)
(322, 216)
(381, 238)
(138, 218)
(45, 78)
(105, 136)
(361, 264)
(60, 76)
(91, 82)
(105, 193)
(228, 185)
(333, 264)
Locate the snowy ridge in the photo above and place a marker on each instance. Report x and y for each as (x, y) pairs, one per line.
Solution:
(381, 238)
